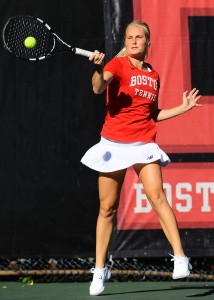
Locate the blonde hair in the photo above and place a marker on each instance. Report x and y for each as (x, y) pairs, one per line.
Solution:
(140, 24)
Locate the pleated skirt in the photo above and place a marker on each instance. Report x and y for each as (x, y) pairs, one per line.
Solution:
(109, 156)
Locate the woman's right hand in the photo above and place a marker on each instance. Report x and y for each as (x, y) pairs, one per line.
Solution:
(97, 58)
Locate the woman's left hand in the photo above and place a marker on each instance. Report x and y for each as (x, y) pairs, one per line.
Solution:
(190, 100)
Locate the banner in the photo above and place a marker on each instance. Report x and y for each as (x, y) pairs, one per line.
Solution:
(189, 188)
(181, 51)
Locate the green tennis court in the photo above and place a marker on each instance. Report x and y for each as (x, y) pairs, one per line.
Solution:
(114, 290)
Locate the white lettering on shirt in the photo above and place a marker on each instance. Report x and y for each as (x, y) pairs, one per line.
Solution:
(144, 80)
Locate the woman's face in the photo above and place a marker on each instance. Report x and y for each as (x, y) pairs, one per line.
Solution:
(135, 41)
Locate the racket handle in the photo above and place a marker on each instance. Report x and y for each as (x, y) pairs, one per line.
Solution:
(82, 52)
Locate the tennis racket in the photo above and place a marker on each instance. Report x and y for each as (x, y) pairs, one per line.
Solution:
(18, 28)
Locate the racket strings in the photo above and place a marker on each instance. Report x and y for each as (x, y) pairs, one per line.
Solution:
(19, 28)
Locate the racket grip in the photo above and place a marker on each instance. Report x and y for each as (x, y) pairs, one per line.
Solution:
(82, 52)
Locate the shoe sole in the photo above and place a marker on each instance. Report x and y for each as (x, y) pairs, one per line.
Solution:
(98, 293)
(181, 276)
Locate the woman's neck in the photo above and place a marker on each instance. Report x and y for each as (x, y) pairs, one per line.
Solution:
(138, 63)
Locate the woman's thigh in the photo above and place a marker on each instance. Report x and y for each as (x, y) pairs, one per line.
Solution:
(110, 186)
(151, 177)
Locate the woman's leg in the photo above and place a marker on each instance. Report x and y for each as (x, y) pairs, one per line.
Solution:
(151, 177)
(109, 192)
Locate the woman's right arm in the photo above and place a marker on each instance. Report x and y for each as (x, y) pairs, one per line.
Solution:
(100, 79)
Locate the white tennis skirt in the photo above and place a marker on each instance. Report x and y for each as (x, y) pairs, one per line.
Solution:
(109, 156)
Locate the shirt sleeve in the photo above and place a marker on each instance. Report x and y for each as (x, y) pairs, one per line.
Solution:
(113, 66)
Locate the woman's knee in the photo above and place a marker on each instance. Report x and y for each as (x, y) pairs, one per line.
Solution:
(107, 211)
(157, 199)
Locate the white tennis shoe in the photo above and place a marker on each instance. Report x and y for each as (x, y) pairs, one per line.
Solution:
(99, 277)
(182, 266)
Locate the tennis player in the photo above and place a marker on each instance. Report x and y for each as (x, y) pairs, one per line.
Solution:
(128, 139)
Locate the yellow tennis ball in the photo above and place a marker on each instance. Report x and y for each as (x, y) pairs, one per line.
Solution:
(30, 42)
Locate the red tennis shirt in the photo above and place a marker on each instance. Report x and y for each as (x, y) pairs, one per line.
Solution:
(129, 98)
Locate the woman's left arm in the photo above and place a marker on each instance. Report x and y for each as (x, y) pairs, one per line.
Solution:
(189, 101)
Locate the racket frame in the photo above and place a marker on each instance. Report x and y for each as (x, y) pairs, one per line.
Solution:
(54, 36)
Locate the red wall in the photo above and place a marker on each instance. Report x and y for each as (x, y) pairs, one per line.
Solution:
(170, 56)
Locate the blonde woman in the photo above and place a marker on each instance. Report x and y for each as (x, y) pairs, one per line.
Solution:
(128, 139)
